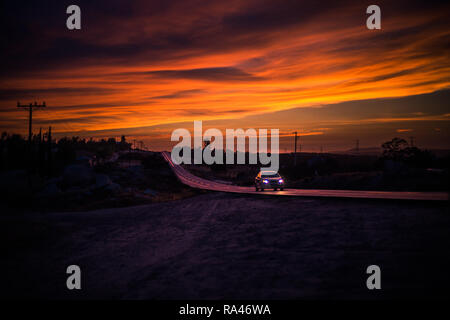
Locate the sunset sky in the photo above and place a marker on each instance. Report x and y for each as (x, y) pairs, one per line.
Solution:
(143, 68)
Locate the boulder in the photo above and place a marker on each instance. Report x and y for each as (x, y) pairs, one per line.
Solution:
(56, 180)
(78, 175)
(50, 190)
(102, 180)
(150, 192)
(113, 188)
(14, 182)
(128, 190)
(84, 160)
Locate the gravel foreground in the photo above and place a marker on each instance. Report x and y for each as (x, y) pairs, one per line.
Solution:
(224, 246)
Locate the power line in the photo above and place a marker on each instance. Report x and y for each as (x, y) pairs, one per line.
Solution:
(295, 149)
(30, 116)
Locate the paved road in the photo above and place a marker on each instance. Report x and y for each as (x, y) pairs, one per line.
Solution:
(199, 183)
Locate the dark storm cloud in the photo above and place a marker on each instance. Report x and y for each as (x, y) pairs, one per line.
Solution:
(35, 34)
(203, 112)
(17, 94)
(84, 120)
(394, 74)
(431, 104)
(83, 108)
(207, 74)
(179, 94)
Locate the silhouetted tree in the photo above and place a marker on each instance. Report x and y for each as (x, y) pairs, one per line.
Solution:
(399, 150)
(394, 149)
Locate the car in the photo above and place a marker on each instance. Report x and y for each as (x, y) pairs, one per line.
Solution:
(269, 180)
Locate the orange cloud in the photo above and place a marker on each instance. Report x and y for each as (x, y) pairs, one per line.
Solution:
(404, 130)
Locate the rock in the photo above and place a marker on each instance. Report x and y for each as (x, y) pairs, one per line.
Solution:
(150, 192)
(113, 188)
(78, 175)
(50, 190)
(75, 190)
(87, 193)
(102, 180)
(84, 160)
(56, 180)
(14, 182)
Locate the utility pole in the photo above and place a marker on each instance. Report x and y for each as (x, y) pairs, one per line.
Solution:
(30, 117)
(30, 134)
(295, 149)
(357, 145)
(41, 152)
(411, 139)
(49, 150)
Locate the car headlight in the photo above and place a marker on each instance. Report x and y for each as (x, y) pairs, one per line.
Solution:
(280, 181)
(265, 181)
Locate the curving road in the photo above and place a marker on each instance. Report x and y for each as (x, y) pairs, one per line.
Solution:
(195, 182)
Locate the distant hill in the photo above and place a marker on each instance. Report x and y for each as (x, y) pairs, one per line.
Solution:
(440, 153)
(375, 151)
(362, 151)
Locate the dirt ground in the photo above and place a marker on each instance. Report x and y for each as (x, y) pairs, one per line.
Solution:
(222, 246)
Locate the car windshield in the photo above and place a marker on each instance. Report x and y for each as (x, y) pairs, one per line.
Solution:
(270, 175)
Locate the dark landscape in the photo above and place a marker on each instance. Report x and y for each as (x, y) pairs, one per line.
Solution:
(138, 233)
(221, 246)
